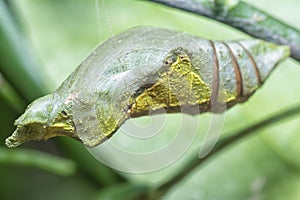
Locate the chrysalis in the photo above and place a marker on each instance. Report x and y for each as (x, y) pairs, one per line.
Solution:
(147, 69)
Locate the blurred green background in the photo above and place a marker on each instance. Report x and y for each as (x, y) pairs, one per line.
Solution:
(56, 35)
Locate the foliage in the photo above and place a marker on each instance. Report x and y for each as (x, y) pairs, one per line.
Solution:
(58, 35)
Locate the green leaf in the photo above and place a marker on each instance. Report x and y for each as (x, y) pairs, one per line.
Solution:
(40, 160)
(16, 65)
(123, 191)
(10, 96)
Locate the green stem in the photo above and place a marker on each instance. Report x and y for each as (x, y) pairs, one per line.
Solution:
(195, 161)
(40, 160)
(244, 17)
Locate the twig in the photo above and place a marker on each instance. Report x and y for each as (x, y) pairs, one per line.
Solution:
(195, 161)
(244, 17)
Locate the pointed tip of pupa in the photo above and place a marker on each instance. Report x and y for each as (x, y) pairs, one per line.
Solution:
(13, 141)
(266, 55)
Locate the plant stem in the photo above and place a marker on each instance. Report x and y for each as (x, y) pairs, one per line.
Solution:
(244, 17)
(195, 161)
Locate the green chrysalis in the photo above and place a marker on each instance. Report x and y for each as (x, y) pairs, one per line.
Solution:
(147, 69)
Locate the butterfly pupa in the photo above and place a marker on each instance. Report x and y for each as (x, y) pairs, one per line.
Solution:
(147, 69)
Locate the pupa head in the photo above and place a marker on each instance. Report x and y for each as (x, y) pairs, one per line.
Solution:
(43, 119)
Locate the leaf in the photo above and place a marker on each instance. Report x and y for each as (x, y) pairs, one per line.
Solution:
(37, 159)
(122, 191)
